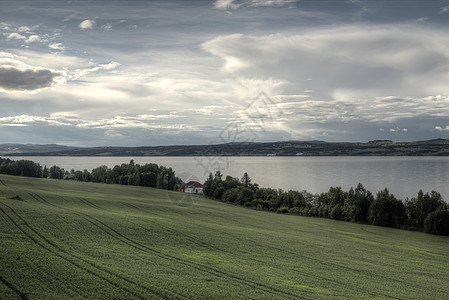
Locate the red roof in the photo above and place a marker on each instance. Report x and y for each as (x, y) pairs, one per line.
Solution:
(194, 184)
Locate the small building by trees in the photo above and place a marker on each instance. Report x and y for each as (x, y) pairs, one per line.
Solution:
(192, 187)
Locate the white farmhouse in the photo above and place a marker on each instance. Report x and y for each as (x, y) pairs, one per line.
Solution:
(193, 187)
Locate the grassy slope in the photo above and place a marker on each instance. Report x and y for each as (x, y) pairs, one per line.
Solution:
(77, 240)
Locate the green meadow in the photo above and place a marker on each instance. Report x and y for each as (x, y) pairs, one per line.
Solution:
(72, 240)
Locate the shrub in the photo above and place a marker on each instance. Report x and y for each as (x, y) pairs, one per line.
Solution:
(282, 210)
(294, 210)
(230, 195)
(437, 222)
(218, 193)
(245, 195)
(336, 212)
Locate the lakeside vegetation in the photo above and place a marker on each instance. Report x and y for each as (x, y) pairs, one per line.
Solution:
(149, 175)
(426, 212)
(63, 239)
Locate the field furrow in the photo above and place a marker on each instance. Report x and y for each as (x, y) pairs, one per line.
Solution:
(63, 239)
(78, 262)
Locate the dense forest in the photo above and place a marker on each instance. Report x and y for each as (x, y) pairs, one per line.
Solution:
(426, 212)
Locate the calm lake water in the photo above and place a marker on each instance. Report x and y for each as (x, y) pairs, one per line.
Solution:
(403, 176)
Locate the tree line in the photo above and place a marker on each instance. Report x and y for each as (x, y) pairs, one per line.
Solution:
(426, 212)
(149, 175)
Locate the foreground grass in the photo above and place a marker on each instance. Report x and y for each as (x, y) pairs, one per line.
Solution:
(68, 240)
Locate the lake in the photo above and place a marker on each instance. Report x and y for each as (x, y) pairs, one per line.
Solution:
(403, 176)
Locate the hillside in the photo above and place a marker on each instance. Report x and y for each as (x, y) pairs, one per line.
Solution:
(66, 240)
(287, 148)
(31, 149)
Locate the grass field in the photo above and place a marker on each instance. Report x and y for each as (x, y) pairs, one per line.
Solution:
(71, 240)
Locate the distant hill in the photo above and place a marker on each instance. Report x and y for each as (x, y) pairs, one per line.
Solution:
(436, 147)
(31, 149)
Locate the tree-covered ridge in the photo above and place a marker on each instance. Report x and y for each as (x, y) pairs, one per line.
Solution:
(427, 212)
(435, 147)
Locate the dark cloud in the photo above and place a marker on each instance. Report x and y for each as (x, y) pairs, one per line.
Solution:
(26, 80)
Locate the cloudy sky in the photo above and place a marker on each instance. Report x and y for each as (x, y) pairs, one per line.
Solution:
(95, 73)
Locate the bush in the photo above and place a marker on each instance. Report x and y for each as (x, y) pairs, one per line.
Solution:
(255, 203)
(336, 212)
(437, 222)
(230, 195)
(294, 210)
(218, 193)
(245, 195)
(282, 210)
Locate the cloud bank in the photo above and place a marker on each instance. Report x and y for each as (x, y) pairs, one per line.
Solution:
(21, 77)
(348, 61)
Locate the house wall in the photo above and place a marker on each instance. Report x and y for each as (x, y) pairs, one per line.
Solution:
(194, 190)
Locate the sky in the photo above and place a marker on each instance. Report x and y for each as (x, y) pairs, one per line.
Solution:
(148, 73)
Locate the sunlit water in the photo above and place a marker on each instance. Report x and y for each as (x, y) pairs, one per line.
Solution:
(403, 176)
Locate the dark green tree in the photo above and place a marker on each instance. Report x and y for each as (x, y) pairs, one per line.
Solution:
(245, 195)
(45, 172)
(148, 179)
(356, 205)
(56, 172)
(87, 177)
(230, 195)
(387, 211)
(99, 174)
(208, 186)
(245, 180)
(218, 193)
(166, 179)
(418, 208)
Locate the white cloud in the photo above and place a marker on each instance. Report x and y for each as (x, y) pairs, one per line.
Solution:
(236, 4)
(16, 36)
(213, 110)
(5, 26)
(56, 46)
(423, 19)
(397, 129)
(83, 72)
(33, 39)
(69, 17)
(87, 24)
(360, 60)
(23, 29)
(47, 59)
(440, 128)
(106, 27)
(226, 4)
(444, 9)
(25, 120)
